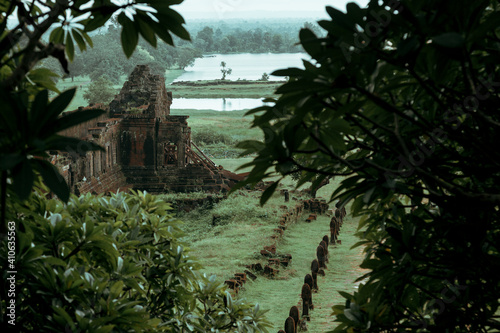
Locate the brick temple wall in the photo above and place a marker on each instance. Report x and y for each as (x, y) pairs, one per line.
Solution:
(81, 130)
(143, 94)
(136, 133)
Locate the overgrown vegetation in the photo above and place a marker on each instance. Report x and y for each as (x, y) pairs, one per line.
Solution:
(217, 132)
(101, 264)
(243, 227)
(241, 207)
(100, 91)
(207, 136)
(401, 99)
(106, 57)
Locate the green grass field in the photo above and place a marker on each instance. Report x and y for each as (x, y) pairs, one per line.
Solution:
(224, 89)
(232, 125)
(245, 227)
(301, 241)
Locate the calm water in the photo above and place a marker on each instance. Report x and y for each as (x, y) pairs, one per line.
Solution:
(218, 104)
(247, 66)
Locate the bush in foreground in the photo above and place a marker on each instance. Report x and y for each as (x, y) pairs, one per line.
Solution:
(102, 264)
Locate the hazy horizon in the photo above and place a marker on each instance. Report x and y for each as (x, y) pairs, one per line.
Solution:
(258, 9)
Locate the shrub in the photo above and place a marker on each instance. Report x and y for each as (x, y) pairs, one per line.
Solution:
(208, 137)
(101, 264)
(100, 91)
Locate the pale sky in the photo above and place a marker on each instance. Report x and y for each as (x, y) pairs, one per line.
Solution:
(226, 9)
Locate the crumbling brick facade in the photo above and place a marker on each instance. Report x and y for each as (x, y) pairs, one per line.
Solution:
(145, 148)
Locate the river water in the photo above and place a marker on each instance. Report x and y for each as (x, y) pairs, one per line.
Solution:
(218, 104)
(245, 66)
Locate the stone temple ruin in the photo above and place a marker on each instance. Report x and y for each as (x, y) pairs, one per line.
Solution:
(145, 148)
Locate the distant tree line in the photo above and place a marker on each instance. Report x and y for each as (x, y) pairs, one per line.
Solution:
(256, 40)
(107, 59)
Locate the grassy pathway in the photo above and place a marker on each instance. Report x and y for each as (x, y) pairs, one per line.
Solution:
(226, 249)
(301, 241)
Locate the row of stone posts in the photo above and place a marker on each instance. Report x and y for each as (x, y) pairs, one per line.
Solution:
(296, 321)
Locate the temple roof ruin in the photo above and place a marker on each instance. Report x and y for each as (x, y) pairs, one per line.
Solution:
(145, 148)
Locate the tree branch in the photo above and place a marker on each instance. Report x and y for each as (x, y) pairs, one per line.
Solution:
(29, 58)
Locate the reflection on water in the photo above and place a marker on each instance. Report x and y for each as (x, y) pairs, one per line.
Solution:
(245, 66)
(218, 104)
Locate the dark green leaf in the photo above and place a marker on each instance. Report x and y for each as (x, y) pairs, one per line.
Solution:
(354, 11)
(268, 193)
(68, 120)
(449, 39)
(44, 77)
(53, 179)
(58, 105)
(345, 294)
(97, 21)
(9, 161)
(180, 31)
(291, 72)
(310, 42)
(70, 47)
(368, 195)
(407, 46)
(23, 179)
(341, 19)
(144, 25)
(87, 38)
(79, 40)
(38, 106)
(129, 35)
(8, 113)
(163, 33)
(57, 36)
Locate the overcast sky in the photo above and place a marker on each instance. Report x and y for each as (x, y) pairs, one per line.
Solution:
(226, 9)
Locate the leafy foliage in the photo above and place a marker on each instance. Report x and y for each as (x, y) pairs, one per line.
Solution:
(107, 58)
(100, 91)
(27, 135)
(102, 264)
(209, 136)
(401, 100)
